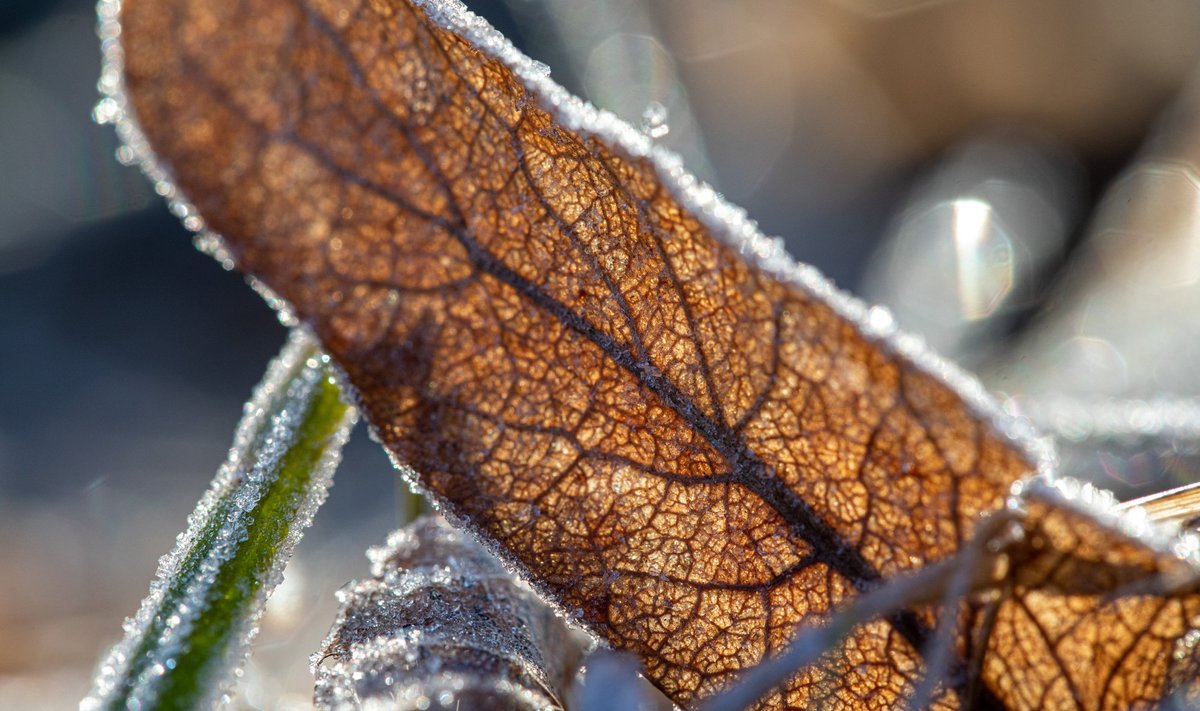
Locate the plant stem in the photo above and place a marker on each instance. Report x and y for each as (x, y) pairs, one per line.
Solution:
(192, 631)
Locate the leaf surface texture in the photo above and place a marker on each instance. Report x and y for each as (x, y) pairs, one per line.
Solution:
(690, 453)
(1091, 619)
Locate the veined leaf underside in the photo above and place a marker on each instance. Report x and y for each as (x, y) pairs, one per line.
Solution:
(687, 450)
(1101, 611)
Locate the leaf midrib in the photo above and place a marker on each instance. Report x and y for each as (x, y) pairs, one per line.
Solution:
(746, 468)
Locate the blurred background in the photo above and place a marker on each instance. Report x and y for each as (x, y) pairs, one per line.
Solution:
(1019, 181)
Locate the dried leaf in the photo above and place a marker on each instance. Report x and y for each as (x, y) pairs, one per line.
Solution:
(691, 452)
(1101, 611)
(441, 625)
(691, 448)
(1179, 506)
(1075, 602)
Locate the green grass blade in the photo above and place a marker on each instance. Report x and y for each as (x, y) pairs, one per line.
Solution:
(181, 649)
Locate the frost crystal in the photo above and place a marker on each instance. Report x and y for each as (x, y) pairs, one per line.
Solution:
(195, 626)
(654, 120)
(441, 625)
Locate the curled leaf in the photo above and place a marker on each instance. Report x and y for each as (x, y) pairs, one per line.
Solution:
(442, 625)
(683, 439)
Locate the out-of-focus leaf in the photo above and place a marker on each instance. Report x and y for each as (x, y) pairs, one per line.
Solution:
(441, 625)
(181, 649)
(1133, 446)
(612, 680)
(1133, 291)
(1107, 367)
(973, 244)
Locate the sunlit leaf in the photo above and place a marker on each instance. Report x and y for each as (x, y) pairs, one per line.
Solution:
(1076, 602)
(596, 364)
(692, 452)
(1100, 609)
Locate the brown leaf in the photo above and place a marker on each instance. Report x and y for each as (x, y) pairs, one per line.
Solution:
(1100, 612)
(690, 449)
(1073, 602)
(441, 625)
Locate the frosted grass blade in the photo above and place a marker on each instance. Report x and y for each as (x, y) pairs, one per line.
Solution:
(193, 629)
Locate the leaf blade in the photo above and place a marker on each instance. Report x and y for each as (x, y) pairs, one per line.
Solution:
(666, 436)
(1102, 607)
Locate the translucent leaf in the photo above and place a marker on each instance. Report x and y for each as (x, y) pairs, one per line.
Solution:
(686, 441)
(690, 444)
(193, 630)
(1100, 609)
(1067, 600)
